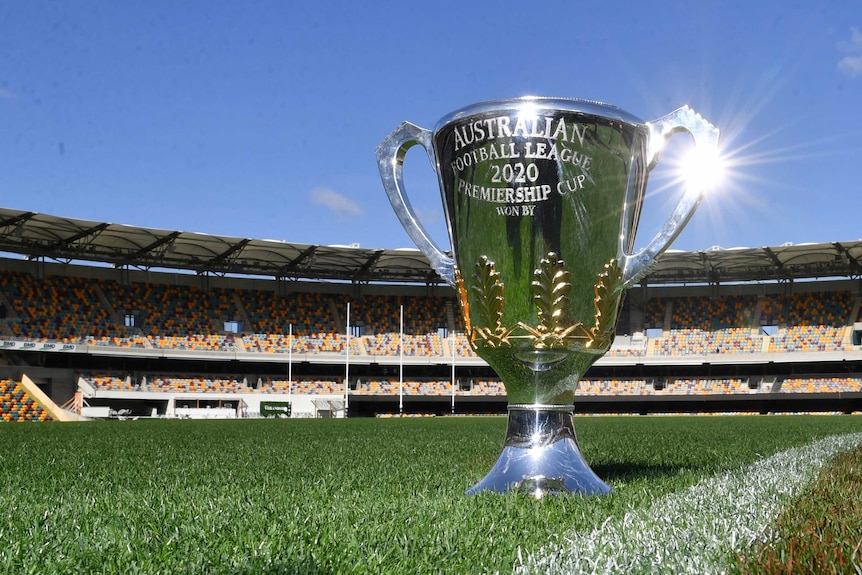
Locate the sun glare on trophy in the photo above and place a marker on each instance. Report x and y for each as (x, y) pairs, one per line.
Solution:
(702, 168)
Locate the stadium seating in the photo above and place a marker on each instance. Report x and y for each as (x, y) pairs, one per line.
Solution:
(821, 385)
(17, 405)
(59, 309)
(615, 351)
(613, 387)
(110, 382)
(92, 312)
(815, 322)
(392, 387)
(309, 314)
(113, 382)
(414, 345)
(486, 387)
(197, 384)
(704, 387)
(176, 317)
(636, 387)
(462, 346)
(702, 325)
(180, 318)
(303, 387)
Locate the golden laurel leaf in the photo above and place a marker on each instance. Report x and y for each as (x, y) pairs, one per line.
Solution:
(462, 297)
(551, 293)
(551, 289)
(607, 289)
(489, 301)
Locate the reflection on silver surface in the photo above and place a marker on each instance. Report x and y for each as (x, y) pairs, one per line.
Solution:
(541, 456)
(536, 360)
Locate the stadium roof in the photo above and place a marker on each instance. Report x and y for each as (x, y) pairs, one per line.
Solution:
(36, 236)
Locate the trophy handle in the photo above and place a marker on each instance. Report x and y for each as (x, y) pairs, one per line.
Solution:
(390, 161)
(705, 136)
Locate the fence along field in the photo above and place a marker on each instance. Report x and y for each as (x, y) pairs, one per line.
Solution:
(336, 496)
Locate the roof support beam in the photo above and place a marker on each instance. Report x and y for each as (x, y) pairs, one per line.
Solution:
(238, 246)
(66, 242)
(302, 257)
(369, 263)
(708, 269)
(845, 255)
(775, 260)
(145, 251)
(14, 221)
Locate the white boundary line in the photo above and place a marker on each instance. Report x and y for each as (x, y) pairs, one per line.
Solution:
(696, 530)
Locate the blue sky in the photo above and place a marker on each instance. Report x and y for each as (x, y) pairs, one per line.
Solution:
(260, 119)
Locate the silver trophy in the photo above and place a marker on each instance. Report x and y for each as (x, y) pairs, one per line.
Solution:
(542, 199)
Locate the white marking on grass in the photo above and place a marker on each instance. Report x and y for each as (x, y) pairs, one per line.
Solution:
(697, 530)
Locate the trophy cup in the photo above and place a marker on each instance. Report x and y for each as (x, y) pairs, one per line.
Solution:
(542, 198)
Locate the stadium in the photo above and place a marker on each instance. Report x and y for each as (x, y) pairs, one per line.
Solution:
(99, 320)
(187, 353)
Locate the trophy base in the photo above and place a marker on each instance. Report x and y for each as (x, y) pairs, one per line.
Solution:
(541, 456)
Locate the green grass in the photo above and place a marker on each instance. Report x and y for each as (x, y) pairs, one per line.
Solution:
(332, 496)
(820, 532)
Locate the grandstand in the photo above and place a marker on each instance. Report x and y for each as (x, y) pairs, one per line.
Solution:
(102, 320)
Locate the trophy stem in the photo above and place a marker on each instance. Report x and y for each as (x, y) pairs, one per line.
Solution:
(541, 455)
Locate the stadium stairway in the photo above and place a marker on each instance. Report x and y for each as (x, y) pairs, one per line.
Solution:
(450, 317)
(336, 316)
(27, 397)
(847, 339)
(447, 349)
(771, 382)
(240, 309)
(112, 312)
(45, 402)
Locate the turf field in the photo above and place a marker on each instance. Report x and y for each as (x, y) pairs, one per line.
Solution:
(342, 496)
